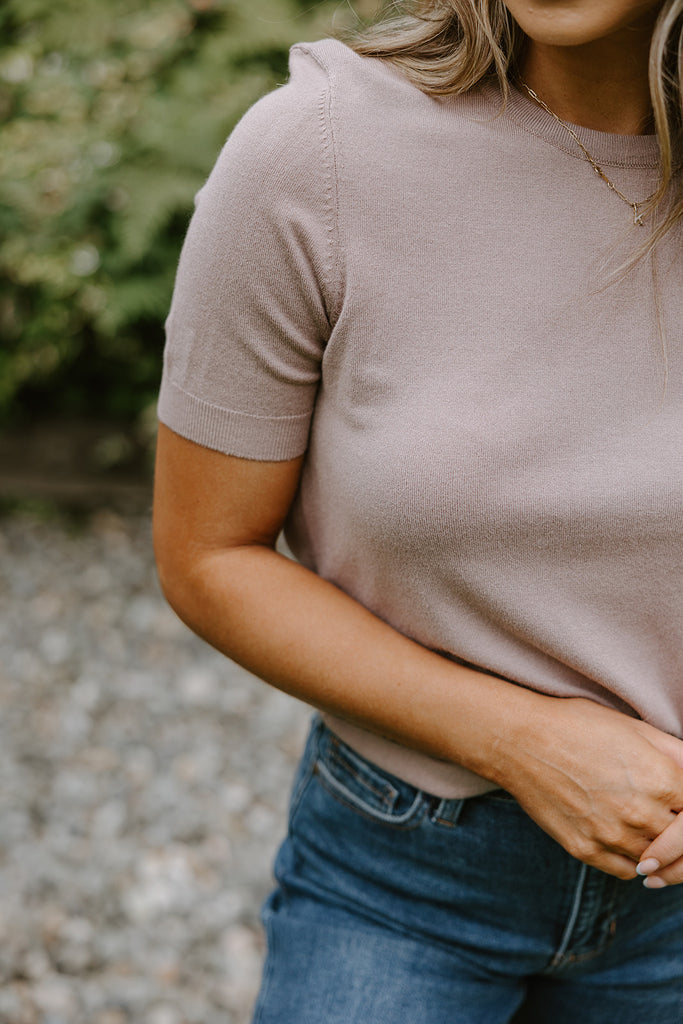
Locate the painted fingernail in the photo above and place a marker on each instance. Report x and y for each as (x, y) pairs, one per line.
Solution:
(646, 867)
(655, 883)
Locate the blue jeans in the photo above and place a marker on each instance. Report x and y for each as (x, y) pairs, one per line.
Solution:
(397, 907)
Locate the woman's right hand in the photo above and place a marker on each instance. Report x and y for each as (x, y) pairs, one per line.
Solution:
(602, 784)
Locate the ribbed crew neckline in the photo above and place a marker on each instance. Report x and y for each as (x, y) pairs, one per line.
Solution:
(609, 149)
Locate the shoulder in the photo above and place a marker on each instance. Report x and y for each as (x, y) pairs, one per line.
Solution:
(328, 82)
(280, 138)
(341, 65)
(362, 87)
(317, 72)
(285, 143)
(373, 112)
(339, 125)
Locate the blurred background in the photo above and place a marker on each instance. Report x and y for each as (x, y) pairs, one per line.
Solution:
(143, 777)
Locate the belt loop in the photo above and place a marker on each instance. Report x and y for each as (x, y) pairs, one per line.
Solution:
(446, 812)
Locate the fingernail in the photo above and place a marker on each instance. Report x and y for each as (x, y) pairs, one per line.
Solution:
(646, 867)
(655, 883)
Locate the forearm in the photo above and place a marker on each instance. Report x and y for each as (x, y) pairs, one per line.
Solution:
(308, 638)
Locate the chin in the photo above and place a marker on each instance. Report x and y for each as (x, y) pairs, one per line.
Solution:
(581, 22)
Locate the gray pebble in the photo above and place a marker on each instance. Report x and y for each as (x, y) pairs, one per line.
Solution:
(143, 790)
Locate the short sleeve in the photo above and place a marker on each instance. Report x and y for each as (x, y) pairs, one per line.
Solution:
(258, 284)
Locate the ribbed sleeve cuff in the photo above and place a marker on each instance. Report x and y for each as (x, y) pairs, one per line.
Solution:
(265, 438)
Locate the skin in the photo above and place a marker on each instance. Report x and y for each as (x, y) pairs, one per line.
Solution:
(589, 60)
(607, 787)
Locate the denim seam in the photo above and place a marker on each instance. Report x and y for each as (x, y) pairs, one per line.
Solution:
(576, 906)
(338, 789)
(607, 936)
(387, 795)
(307, 770)
(268, 971)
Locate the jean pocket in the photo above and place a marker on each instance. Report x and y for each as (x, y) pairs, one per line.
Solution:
(365, 787)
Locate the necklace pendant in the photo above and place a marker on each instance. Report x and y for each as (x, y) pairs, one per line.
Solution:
(637, 217)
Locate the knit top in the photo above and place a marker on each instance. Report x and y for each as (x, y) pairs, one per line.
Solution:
(414, 292)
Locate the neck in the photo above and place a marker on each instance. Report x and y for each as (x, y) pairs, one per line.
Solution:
(601, 85)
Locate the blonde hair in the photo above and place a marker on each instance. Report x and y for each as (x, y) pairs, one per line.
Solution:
(448, 46)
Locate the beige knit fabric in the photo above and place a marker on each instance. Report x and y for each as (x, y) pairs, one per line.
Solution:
(408, 289)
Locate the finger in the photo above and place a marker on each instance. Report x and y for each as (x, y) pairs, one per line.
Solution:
(614, 864)
(664, 850)
(671, 875)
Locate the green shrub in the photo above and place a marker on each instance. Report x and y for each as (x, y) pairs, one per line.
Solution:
(113, 112)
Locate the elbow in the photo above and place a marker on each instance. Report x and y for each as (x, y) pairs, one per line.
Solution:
(174, 571)
(183, 584)
(201, 585)
(169, 581)
(173, 583)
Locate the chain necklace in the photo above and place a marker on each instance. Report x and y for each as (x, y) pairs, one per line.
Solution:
(637, 215)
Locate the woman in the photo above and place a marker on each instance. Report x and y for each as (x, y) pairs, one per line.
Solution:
(428, 316)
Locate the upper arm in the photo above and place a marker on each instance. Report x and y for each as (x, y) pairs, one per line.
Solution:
(258, 283)
(206, 501)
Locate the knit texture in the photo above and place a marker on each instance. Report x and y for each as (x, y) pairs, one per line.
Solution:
(410, 290)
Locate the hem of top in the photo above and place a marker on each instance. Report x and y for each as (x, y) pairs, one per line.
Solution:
(443, 779)
(231, 432)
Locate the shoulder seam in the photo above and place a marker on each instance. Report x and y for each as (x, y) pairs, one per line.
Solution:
(330, 151)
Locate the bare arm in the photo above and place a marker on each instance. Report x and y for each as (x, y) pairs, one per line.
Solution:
(603, 784)
(216, 521)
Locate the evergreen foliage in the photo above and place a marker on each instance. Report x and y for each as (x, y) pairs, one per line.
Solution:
(113, 112)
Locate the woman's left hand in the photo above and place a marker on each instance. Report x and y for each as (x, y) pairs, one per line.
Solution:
(662, 862)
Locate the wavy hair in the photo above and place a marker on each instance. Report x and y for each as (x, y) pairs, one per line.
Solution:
(446, 47)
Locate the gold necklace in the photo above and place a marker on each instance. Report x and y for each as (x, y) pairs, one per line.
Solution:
(637, 215)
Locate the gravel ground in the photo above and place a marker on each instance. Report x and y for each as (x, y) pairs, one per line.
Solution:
(143, 787)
